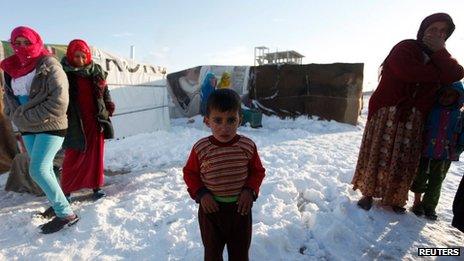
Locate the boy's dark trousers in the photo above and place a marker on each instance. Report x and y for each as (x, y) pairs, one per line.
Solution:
(458, 208)
(431, 175)
(225, 227)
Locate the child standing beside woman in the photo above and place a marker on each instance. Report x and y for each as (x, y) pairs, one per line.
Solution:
(411, 75)
(443, 142)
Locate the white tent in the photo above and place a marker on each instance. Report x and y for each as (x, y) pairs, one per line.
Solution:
(138, 90)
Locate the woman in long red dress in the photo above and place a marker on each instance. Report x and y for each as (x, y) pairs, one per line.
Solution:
(88, 115)
(411, 75)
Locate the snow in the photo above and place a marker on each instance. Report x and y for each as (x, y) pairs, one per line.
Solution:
(306, 209)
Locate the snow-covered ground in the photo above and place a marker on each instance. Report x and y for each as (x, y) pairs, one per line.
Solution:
(306, 209)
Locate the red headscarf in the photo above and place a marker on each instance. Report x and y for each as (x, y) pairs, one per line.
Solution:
(78, 45)
(25, 58)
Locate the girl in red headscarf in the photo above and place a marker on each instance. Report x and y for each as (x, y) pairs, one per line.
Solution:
(36, 100)
(391, 147)
(89, 110)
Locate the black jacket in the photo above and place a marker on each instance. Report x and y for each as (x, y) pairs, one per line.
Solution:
(75, 137)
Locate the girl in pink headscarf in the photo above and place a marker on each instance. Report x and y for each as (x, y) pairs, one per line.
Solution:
(28, 48)
(90, 107)
(36, 99)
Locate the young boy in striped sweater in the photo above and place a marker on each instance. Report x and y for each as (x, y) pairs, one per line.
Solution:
(223, 173)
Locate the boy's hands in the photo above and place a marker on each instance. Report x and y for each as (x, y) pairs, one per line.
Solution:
(245, 202)
(208, 204)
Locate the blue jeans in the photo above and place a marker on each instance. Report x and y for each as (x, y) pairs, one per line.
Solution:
(42, 149)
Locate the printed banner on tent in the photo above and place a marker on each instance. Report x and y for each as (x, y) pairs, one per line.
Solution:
(120, 71)
(138, 90)
(185, 86)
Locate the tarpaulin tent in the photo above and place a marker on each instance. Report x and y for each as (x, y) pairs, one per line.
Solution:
(8, 147)
(184, 86)
(329, 91)
(138, 90)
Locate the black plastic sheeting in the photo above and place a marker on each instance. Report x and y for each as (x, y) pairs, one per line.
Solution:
(329, 91)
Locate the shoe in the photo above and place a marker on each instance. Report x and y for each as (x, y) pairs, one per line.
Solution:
(398, 210)
(59, 223)
(365, 203)
(98, 194)
(48, 213)
(418, 210)
(431, 215)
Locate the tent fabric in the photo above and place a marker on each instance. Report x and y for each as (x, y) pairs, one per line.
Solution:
(138, 90)
(8, 146)
(19, 179)
(329, 91)
(184, 86)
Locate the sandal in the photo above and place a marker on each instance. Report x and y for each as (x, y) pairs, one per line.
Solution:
(365, 203)
(398, 210)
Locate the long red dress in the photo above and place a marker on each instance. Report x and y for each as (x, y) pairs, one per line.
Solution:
(84, 169)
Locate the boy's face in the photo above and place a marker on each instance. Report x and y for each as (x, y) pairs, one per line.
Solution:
(224, 125)
(448, 97)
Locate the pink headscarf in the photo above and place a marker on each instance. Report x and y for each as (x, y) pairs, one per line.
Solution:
(26, 57)
(78, 45)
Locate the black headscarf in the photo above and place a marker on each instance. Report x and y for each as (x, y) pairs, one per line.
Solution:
(438, 17)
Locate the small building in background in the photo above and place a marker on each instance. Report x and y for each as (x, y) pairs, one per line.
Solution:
(263, 56)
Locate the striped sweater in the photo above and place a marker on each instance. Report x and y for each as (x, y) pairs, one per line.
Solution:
(223, 169)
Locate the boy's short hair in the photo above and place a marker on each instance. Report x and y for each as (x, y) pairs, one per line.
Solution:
(223, 100)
